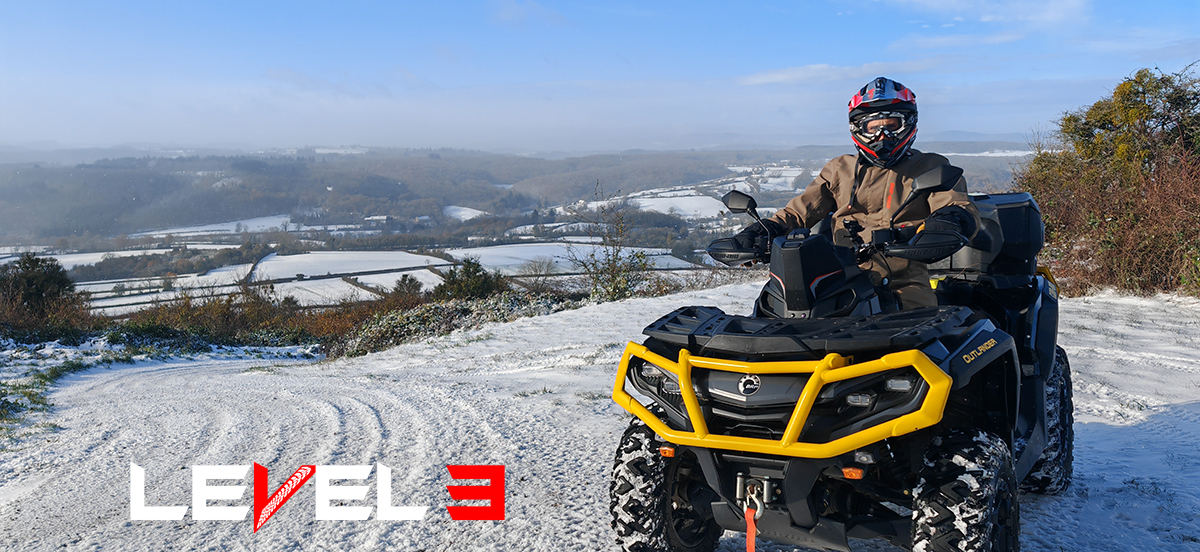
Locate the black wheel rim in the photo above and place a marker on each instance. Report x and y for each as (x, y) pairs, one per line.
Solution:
(1003, 520)
(689, 526)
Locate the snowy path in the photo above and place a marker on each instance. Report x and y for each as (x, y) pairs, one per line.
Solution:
(532, 395)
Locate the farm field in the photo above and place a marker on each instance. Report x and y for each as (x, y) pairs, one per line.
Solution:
(508, 259)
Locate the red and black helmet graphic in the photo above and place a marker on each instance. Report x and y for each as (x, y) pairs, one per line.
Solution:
(886, 100)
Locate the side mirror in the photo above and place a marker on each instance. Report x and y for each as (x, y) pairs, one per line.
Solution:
(941, 178)
(738, 202)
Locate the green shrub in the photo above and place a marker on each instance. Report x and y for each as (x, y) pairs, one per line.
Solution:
(469, 280)
(407, 285)
(1119, 186)
(38, 302)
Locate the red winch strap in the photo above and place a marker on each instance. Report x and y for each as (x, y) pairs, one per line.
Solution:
(750, 529)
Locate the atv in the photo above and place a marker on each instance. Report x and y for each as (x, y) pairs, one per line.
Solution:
(829, 414)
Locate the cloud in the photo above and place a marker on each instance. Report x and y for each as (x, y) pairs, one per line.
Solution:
(1032, 11)
(518, 12)
(827, 73)
(1185, 50)
(297, 81)
(954, 41)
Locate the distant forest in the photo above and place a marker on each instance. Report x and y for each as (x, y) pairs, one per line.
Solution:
(112, 197)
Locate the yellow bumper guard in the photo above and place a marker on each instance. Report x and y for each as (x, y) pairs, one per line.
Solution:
(832, 368)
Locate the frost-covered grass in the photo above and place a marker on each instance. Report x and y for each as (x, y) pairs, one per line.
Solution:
(431, 319)
(28, 372)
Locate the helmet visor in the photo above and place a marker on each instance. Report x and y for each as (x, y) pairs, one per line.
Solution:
(883, 124)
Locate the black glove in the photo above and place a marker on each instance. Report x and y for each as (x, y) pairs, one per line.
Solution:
(747, 246)
(951, 218)
(748, 238)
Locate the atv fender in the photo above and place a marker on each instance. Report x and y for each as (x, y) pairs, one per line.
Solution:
(985, 365)
(981, 346)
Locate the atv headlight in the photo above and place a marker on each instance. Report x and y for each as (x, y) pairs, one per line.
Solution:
(860, 399)
(899, 385)
(863, 391)
(661, 386)
(651, 372)
(849, 406)
(654, 380)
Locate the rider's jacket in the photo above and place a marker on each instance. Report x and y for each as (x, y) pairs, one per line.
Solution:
(877, 195)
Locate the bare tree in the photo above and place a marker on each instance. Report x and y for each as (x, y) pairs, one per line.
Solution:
(536, 272)
(614, 269)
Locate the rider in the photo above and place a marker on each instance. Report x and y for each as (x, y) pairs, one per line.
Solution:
(869, 187)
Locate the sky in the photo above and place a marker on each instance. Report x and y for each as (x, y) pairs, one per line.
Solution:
(526, 76)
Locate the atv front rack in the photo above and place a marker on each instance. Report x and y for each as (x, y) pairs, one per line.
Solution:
(832, 368)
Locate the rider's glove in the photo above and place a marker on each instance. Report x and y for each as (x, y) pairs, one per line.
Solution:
(748, 238)
(951, 218)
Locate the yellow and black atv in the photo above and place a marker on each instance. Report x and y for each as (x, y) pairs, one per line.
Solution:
(830, 415)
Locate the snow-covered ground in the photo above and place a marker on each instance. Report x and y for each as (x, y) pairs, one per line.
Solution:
(319, 263)
(689, 207)
(428, 279)
(329, 291)
(257, 224)
(508, 259)
(533, 395)
(142, 291)
(16, 250)
(72, 260)
(461, 213)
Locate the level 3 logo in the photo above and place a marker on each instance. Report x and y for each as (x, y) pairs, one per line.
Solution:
(266, 503)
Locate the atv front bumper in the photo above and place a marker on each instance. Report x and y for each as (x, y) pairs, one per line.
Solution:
(831, 369)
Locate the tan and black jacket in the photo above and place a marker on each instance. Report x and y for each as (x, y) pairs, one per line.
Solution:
(877, 197)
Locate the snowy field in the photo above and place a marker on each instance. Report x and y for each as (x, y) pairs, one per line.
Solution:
(319, 263)
(461, 213)
(533, 395)
(72, 260)
(144, 291)
(689, 207)
(508, 259)
(258, 224)
(316, 289)
(428, 279)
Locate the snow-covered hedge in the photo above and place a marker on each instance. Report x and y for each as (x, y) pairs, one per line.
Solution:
(438, 318)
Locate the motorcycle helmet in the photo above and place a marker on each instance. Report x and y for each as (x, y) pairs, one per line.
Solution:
(883, 121)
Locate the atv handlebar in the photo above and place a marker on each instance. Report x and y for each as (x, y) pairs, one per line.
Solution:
(905, 242)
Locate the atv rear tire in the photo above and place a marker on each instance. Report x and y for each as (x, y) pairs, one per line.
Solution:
(966, 500)
(659, 504)
(1052, 472)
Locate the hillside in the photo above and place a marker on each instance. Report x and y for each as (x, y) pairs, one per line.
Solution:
(532, 395)
(413, 188)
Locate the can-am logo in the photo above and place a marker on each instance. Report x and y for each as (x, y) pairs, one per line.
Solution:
(266, 503)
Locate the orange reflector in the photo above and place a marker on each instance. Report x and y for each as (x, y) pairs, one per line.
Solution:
(852, 473)
(666, 452)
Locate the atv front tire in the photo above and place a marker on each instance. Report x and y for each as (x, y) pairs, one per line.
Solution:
(659, 504)
(966, 500)
(1051, 474)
